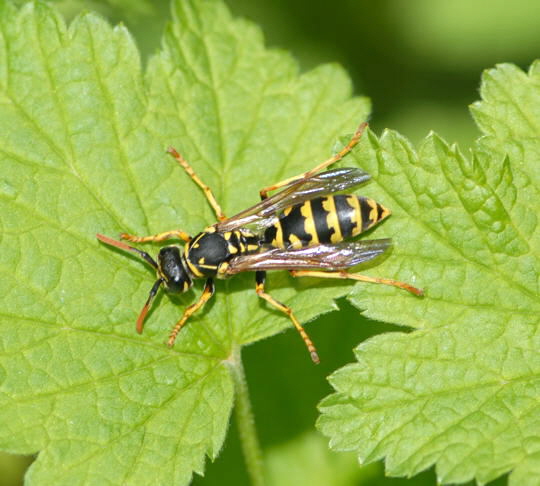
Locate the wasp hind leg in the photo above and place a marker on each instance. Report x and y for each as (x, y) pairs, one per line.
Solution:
(323, 165)
(259, 288)
(203, 299)
(167, 235)
(356, 276)
(207, 191)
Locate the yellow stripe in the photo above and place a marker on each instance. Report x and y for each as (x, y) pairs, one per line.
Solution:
(209, 267)
(278, 240)
(194, 243)
(373, 213)
(329, 206)
(295, 241)
(222, 269)
(356, 217)
(193, 269)
(385, 212)
(309, 225)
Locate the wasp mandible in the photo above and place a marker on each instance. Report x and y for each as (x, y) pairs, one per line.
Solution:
(300, 228)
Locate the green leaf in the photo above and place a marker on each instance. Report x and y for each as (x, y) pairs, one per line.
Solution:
(462, 390)
(84, 132)
(307, 460)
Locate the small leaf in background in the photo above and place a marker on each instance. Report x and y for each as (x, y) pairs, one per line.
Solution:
(461, 391)
(307, 460)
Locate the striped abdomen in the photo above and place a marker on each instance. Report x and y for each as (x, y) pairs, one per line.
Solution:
(329, 219)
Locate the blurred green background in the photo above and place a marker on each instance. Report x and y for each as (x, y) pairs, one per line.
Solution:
(420, 62)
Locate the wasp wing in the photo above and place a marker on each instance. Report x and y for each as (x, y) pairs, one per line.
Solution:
(261, 215)
(323, 257)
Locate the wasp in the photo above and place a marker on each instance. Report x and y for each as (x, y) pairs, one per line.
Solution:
(301, 228)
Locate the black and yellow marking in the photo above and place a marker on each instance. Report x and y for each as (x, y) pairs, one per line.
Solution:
(208, 250)
(372, 212)
(329, 219)
(310, 222)
(332, 231)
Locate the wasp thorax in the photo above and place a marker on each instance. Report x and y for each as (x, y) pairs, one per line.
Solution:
(172, 270)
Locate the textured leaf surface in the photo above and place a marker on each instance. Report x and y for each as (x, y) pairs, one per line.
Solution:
(83, 138)
(462, 391)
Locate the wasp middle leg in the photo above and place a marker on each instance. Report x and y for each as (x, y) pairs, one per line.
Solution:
(207, 191)
(356, 276)
(323, 165)
(259, 288)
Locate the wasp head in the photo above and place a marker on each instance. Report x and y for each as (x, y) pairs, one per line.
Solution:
(172, 270)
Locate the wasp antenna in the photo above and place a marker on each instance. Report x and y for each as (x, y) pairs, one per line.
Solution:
(146, 308)
(119, 244)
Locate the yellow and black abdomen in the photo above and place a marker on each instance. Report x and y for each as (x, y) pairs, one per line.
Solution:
(329, 219)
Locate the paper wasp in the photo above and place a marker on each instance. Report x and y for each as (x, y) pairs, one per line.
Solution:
(301, 229)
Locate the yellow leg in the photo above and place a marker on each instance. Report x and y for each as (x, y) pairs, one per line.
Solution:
(355, 276)
(344, 151)
(207, 191)
(260, 277)
(203, 299)
(167, 235)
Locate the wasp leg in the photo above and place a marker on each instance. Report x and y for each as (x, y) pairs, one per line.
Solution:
(167, 235)
(203, 299)
(207, 191)
(259, 288)
(355, 276)
(342, 153)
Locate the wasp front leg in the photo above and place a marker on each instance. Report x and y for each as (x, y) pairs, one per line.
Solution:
(260, 278)
(203, 299)
(167, 235)
(323, 165)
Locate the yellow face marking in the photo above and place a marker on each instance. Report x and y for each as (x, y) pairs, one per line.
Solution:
(356, 217)
(295, 241)
(209, 229)
(286, 211)
(309, 224)
(278, 240)
(227, 235)
(201, 261)
(232, 249)
(329, 206)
